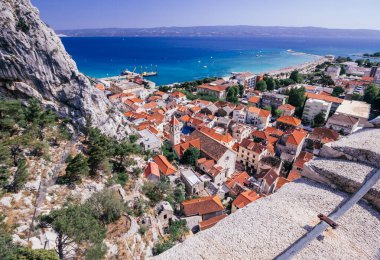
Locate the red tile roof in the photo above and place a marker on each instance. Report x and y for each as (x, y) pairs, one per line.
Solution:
(286, 107)
(214, 135)
(209, 147)
(280, 182)
(303, 158)
(324, 93)
(164, 165)
(265, 136)
(274, 131)
(254, 99)
(174, 121)
(153, 130)
(252, 146)
(236, 183)
(215, 171)
(211, 222)
(185, 118)
(217, 88)
(270, 177)
(100, 87)
(181, 148)
(325, 98)
(324, 135)
(289, 120)
(136, 100)
(207, 164)
(150, 105)
(151, 168)
(293, 175)
(154, 98)
(178, 94)
(245, 198)
(202, 206)
(159, 93)
(369, 79)
(297, 137)
(259, 112)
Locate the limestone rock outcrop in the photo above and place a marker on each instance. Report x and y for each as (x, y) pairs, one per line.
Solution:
(34, 63)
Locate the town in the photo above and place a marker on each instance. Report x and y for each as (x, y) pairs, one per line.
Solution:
(223, 143)
(172, 132)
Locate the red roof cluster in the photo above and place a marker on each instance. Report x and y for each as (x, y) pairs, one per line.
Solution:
(202, 206)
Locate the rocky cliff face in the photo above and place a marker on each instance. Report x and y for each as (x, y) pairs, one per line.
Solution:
(34, 63)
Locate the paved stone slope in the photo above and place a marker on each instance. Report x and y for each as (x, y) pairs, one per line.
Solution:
(347, 163)
(363, 146)
(34, 62)
(268, 226)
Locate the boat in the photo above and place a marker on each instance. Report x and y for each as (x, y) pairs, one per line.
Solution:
(126, 72)
(149, 73)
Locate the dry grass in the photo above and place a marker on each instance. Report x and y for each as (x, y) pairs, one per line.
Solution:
(118, 228)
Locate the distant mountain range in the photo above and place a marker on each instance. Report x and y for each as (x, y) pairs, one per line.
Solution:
(224, 31)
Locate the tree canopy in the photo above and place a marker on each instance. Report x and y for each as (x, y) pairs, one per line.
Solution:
(296, 76)
(241, 90)
(190, 156)
(261, 86)
(22, 135)
(100, 148)
(297, 97)
(337, 91)
(21, 176)
(371, 93)
(75, 225)
(271, 83)
(326, 80)
(232, 94)
(106, 206)
(319, 120)
(156, 191)
(77, 168)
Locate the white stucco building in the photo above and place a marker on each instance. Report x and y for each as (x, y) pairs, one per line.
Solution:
(315, 106)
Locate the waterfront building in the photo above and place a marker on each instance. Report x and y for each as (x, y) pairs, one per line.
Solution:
(218, 91)
(247, 80)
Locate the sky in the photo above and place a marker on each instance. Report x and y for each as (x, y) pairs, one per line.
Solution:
(80, 14)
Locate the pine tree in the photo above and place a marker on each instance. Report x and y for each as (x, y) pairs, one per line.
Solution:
(21, 175)
(77, 168)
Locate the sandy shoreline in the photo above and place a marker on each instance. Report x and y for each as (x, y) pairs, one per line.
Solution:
(303, 67)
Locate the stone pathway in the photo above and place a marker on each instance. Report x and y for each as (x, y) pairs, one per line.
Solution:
(53, 174)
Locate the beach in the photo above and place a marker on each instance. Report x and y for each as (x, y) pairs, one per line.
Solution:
(303, 67)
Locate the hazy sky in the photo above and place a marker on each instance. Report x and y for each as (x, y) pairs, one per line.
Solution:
(77, 14)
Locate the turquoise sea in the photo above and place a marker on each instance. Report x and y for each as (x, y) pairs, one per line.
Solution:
(188, 58)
